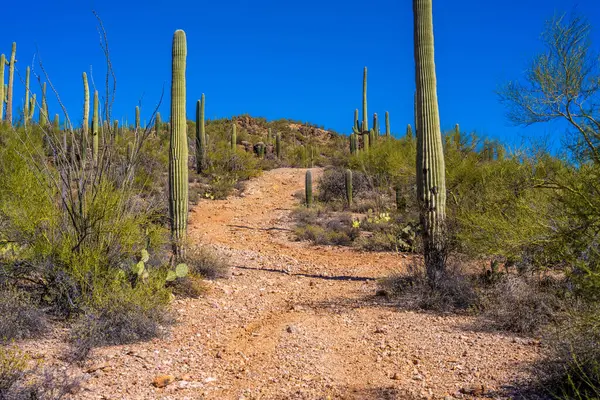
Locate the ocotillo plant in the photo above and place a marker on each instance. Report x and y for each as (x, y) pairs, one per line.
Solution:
(308, 194)
(137, 118)
(278, 145)
(86, 118)
(200, 136)
(2, 92)
(349, 187)
(388, 132)
(431, 180)
(95, 129)
(43, 121)
(234, 136)
(9, 93)
(178, 151)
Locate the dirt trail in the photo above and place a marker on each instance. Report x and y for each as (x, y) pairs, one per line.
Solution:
(297, 321)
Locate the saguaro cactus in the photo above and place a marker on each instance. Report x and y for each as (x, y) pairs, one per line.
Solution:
(200, 136)
(178, 151)
(388, 132)
(86, 118)
(234, 135)
(409, 132)
(29, 107)
(308, 189)
(56, 124)
(278, 145)
(44, 116)
(356, 122)
(157, 123)
(348, 177)
(11, 75)
(137, 118)
(431, 182)
(95, 129)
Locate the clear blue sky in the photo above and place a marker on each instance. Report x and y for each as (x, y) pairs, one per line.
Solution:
(299, 60)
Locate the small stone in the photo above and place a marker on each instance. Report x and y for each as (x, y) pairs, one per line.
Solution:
(477, 389)
(163, 380)
(396, 376)
(291, 329)
(380, 329)
(382, 293)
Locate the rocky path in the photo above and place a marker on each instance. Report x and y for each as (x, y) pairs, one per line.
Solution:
(297, 321)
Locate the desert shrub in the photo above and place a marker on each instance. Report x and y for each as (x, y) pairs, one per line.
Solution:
(228, 167)
(13, 367)
(324, 228)
(191, 286)
(21, 317)
(523, 304)
(332, 184)
(207, 263)
(452, 291)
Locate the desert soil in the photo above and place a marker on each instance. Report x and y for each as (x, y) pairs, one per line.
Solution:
(298, 321)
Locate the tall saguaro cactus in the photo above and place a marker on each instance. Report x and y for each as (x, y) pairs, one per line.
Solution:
(234, 135)
(29, 107)
(44, 116)
(388, 132)
(86, 118)
(11, 76)
(157, 123)
(431, 181)
(308, 194)
(137, 118)
(200, 136)
(2, 92)
(178, 151)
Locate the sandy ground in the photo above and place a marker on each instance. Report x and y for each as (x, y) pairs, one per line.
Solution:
(297, 321)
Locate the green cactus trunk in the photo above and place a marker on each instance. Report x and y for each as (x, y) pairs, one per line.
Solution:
(137, 118)
(308, 194)
(29, 108)
(56, 124)
(234, 136)
(352, 139)
(95, 129)
(278, 145)
(178, 152)
(356, 122)
(366, 142)
(388, 132)
(269, 135)
(431, 181)
(365, 123)
(157, 124)
(9, 92)
(116, 127)
(349, 187)
(44, 116)
(376, 125)
(200, 137)
(456, 137)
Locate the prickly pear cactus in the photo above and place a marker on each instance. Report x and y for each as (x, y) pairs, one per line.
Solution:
(431, 180)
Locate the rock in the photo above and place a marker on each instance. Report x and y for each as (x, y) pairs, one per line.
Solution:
(291, 329)
(163, 380)
(477, 389)
(382, 293)
(380, 329)
(396, 376)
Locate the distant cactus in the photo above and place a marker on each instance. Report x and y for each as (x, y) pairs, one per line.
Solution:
(348, 185)
(157, 124)
(431, 180)
(366, 142)
(2, 91)
(234, 136)
(456, 137)
(178, 152)
(353, 143)
(200, 137)
(278, 145)
(95, 129)
(137, 118)
(409, 132)
(376, 125)
(9, 93)
(365, 123)
(116, 127)
(269, 135)
(29, 108)
(388, 132)
(56, 124)
(44, 116)
(308, 194)
(356, 122)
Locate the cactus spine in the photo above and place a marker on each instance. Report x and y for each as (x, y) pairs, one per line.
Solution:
(200, 136)
(388, 132)
(234, 135)
(137, 117)
(349, 187)
(95, 128)
(278, 145)
(308, 189)
(9, 92)
(431, 182)
(178, 152)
